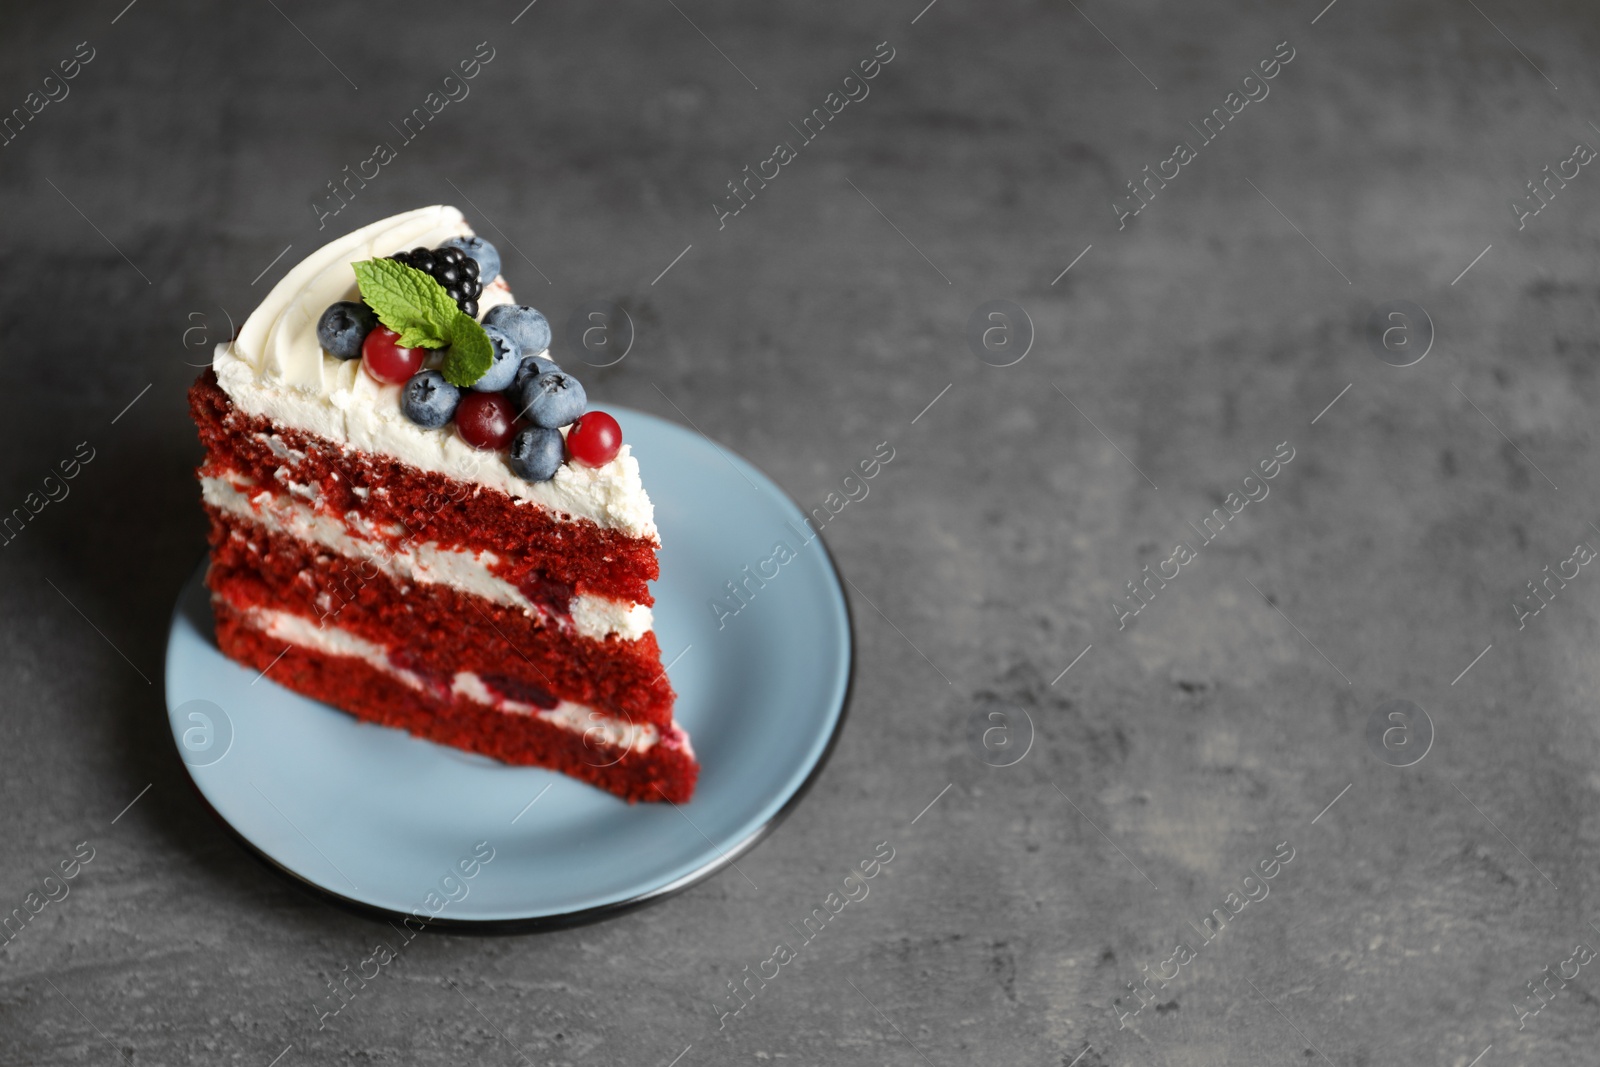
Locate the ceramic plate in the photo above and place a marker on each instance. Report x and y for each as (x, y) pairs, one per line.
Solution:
(385, 822)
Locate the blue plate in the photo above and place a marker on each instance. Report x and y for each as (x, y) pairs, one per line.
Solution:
(384, 822)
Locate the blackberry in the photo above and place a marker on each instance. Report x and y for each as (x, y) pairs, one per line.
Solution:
(452, 268)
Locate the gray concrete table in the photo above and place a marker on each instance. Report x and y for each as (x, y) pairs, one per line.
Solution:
(1208, 262)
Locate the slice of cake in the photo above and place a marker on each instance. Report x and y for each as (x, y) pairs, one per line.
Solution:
(416, 518)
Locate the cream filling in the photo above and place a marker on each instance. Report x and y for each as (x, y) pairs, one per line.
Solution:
(595, 725)
(276, 369)
(357, 538)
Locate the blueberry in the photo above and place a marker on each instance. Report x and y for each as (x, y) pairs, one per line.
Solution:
(488, 259)
(532, 367)
(526, 326)
(553, 399)
(428, 400)
(536, 453)
(343, 327)
(507, 361)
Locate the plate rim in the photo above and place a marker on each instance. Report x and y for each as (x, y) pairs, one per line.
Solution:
(581, 916)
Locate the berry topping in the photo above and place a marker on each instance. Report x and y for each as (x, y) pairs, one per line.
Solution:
(526, 326)
(595, 439)
(343, 327)
(531, 368)
(485, 420)
(552, 400)
(507, 361)
(536, 453)
(484, 256)
(387, 361)
(428, 400)
(447, 266)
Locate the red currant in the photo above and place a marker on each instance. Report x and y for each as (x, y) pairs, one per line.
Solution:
(594, 440)
(486, 421)
(387, 361)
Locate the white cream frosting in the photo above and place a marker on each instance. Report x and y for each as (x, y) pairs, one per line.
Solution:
(332, 641)
(356, 538)
(276, 368)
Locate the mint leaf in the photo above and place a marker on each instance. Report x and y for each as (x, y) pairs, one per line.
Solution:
(418, 336)
(471, 352)
(415, 305)
(409, 302)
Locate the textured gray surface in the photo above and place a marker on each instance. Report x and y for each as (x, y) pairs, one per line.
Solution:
(1197, 339)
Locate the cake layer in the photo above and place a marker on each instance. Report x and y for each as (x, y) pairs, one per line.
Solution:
(407, 560)
(550, 557)
(436, 630)
(646, 763)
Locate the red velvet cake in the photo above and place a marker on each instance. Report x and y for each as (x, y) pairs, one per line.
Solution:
(416, 518)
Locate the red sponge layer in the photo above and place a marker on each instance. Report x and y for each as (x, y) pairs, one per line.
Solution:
(549, 560)
(434, 629)
(666, 771)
